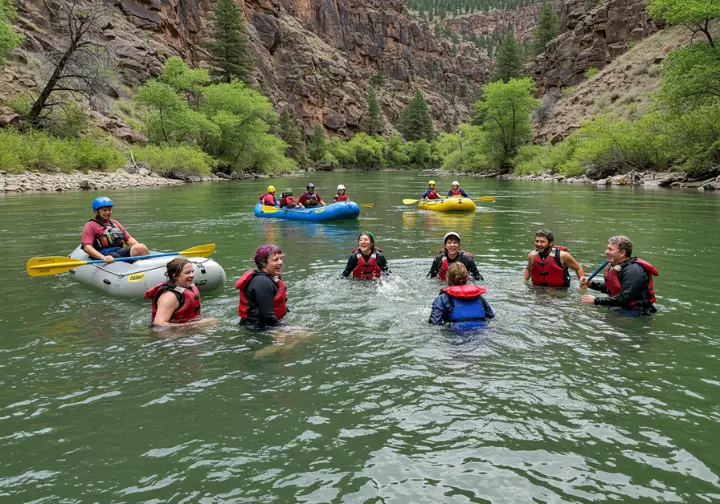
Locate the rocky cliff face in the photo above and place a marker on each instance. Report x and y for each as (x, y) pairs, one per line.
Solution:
(315, 55)
(590, 39)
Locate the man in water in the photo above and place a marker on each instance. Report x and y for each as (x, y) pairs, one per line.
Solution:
(628, 280)
(104, 238)
(548, 264)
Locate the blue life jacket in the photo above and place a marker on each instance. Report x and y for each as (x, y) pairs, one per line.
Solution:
(468, 310)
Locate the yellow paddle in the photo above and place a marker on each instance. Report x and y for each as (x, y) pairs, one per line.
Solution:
(52, 265)
(481, 198)
(269, 209)
(367, 205)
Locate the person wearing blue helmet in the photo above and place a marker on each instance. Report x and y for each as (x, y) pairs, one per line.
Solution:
(105, 238)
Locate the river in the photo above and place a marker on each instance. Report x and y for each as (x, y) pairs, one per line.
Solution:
(553, 402)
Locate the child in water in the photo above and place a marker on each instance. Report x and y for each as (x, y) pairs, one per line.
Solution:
(460, 303)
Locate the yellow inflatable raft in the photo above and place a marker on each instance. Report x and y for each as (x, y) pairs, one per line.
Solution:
(448, 205)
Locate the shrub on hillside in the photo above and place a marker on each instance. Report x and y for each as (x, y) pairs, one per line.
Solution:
(175, 162)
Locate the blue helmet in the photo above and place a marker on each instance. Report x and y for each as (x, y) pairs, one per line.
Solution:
(102, 201)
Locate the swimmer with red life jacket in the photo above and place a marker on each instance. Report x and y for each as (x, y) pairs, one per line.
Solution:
(263, 295)
(460, 303)
(628, 280)
(548, 264)
(177, 300)
(450, 254)
(366, 262)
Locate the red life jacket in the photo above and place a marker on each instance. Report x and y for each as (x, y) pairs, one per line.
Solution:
(188, 301)
(612, 280)
(279, 301)
(445, 264)
(268, 199)
(456, 192)
(433, 195)
(338, 197)
(549, 272)
(366, 270)
(467, 291)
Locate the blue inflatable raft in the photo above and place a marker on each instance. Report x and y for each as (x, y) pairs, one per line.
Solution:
(335, 211)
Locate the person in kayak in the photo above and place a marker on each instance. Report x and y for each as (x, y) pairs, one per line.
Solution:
(177, 300)
(548, 264)
(310, 198)
(366, 262)
(451, 254)
(288, 200)
(104, 238)
(263, 295)
(455, 191)
(269, 198)
(628, 280)
(460, 303)
(340, 196)
(430, 192)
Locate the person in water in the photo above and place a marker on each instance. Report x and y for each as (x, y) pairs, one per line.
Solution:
(177, 300)
(288, 200)
(451, 254)
(104, 238)
(628, 280)
(263, 295)
(366, 262)
(269, 199)
(340, 196)
(455, 191)
(430, 192)
(460, 303)
(548, 264)
(310, 198)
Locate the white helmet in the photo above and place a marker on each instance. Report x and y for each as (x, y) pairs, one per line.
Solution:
(340, 186)
(451, 234)
(455, 182)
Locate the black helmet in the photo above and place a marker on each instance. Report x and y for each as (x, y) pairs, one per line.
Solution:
(310, 185)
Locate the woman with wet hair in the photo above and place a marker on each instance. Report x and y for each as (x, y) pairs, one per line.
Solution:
(263, 295)
(366, 262)
(460, 304)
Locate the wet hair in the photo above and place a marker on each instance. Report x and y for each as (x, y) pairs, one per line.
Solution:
(547, 234)
(263, 253)
(369, 235)
(623, 243)
(457, 274)
(174, 268)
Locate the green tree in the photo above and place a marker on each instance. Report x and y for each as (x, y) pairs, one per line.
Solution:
(372, 122)
(395, 153)
(695, 14)
(378, 80)
(508, 59)
(179, 76)
(546, 30)
(506, 110)
(691, 77)
(317, 147)
(415, 123)
(9, 38)
(290, 133)
(229, 48)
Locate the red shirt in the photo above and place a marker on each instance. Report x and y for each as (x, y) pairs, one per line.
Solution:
(304, 198)
(93, 229)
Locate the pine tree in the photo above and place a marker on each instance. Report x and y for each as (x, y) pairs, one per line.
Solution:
(547, 28)
(229, 49)
(508, 59)
(317, 147)
(372, 122)
(289, 131)
(415, 123)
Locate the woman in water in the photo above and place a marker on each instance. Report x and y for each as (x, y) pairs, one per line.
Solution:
(366, 262)
(263, 295)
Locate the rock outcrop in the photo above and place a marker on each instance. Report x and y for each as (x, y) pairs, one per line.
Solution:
(590, 39)
(315, 55)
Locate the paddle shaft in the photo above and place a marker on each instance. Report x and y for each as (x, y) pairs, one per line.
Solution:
(134, 258)
(602, 267)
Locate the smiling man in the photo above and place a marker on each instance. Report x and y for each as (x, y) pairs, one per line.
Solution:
(450, 254)
(628, 280)
(548, 264)
(104, 238)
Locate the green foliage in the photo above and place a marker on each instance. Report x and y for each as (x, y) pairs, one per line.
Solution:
(567, 92)
(43, 152)
(9, 38)
(229, 48)
(372, 122)
(396, 155)
(184, 79)
(696, 14)
(591, 72)
(367, 151)
(471, 152)
(546, 30)
(377, 80)
(443, 8)
(415, 123)
(508, 60)
(290, 133)
(175, 162)
(316, 147)
(691, 77)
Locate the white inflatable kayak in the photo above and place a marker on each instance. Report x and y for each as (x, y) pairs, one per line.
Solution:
(127, 279)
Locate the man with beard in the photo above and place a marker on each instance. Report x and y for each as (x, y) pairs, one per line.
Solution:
(548, 264)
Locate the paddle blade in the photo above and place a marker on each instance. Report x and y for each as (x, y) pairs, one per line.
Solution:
(409, 201)
(53, 265)
(199, 251)
(367, 205)
(485, 198)
(270, 209)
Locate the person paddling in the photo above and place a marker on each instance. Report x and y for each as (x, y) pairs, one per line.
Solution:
(430, 192)
(451, 254)
(460, 303)
(105, 238)
(366, 262)
(455, 191)
(263, 294)
(548, 264)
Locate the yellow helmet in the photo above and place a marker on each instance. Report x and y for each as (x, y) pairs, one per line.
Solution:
(271, 188)
(432, 182)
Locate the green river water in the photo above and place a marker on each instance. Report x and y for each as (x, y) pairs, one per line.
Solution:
(553, 402)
